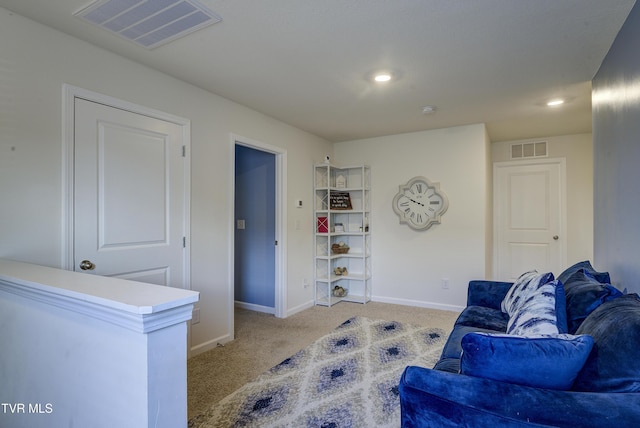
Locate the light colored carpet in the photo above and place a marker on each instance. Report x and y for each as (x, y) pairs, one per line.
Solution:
(346, 379)
(263, 341)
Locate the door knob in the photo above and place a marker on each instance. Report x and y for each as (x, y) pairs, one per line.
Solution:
(555, 237)
(87, 265)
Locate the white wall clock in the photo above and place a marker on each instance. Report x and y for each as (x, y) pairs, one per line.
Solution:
(420, 203)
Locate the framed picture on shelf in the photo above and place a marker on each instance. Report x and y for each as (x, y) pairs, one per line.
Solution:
(340, 201)
(338, 227)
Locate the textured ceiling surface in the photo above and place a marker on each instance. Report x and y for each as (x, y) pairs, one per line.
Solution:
(308, 62)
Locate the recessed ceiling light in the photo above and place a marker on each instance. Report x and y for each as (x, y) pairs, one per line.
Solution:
(555, 103)
(429, 109)
(382, 77)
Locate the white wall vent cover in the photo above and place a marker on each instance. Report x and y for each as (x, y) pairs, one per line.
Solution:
(536, 149)
(149, 23)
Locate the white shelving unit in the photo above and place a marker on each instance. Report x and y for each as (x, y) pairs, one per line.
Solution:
(337, 188)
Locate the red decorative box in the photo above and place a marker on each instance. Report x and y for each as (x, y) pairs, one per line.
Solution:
(323, 225)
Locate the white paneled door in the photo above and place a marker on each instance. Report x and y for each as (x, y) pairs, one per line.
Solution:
(129, 195)
(529, 217)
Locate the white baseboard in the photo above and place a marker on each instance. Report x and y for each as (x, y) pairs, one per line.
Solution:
(254, 307)
(210, 344)
(417, 303)
(299, 308)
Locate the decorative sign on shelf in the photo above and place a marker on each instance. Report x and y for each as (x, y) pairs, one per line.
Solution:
(323, 225)
(340, 201)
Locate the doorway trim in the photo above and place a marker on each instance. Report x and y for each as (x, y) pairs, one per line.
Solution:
(69, 95)
(280, 226)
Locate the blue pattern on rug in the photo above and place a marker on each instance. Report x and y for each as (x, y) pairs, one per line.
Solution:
(342, 344)
(388, 329)
(390, 395)
(346, 379)
(337, 375)
(432, 337)
(335, 417)
(291, 363)
(393, 352)
(261, 405)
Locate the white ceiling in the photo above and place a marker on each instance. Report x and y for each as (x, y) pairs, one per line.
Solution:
(307, 62)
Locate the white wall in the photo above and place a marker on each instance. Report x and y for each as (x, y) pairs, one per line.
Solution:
(578, 151)
(408, 266)
(35, 62)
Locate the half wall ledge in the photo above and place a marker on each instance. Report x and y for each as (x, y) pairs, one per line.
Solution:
(134, 305)
(86, 350)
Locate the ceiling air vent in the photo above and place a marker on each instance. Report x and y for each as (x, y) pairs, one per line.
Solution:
(149, 23)
(536, 149)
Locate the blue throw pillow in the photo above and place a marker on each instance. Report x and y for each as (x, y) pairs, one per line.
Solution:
(602, 277)
(550, 362)
(613, 364)
(561, 308)
(584, 293)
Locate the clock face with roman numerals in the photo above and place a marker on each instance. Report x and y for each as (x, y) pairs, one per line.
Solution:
(420, 203)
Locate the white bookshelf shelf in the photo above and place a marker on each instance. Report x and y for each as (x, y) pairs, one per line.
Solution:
(342, 199)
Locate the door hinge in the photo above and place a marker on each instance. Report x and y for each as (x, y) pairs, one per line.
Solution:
(276, 242)
(184, 242)
(184, 151)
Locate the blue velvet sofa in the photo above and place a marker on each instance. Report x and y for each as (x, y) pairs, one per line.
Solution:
(575, 363)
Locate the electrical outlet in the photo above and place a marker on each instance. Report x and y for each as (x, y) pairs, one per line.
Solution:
(445, 283)
(305, 283)
(195, 319)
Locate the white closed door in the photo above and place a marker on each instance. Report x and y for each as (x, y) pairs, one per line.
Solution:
(129, 195)
(529, 217)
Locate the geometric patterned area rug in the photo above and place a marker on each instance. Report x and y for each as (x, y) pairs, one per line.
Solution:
(348, 378)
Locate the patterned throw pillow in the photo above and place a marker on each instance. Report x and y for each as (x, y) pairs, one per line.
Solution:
(537, 313)
(524, 286)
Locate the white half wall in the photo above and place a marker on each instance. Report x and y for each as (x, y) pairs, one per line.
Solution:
(90, 351)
